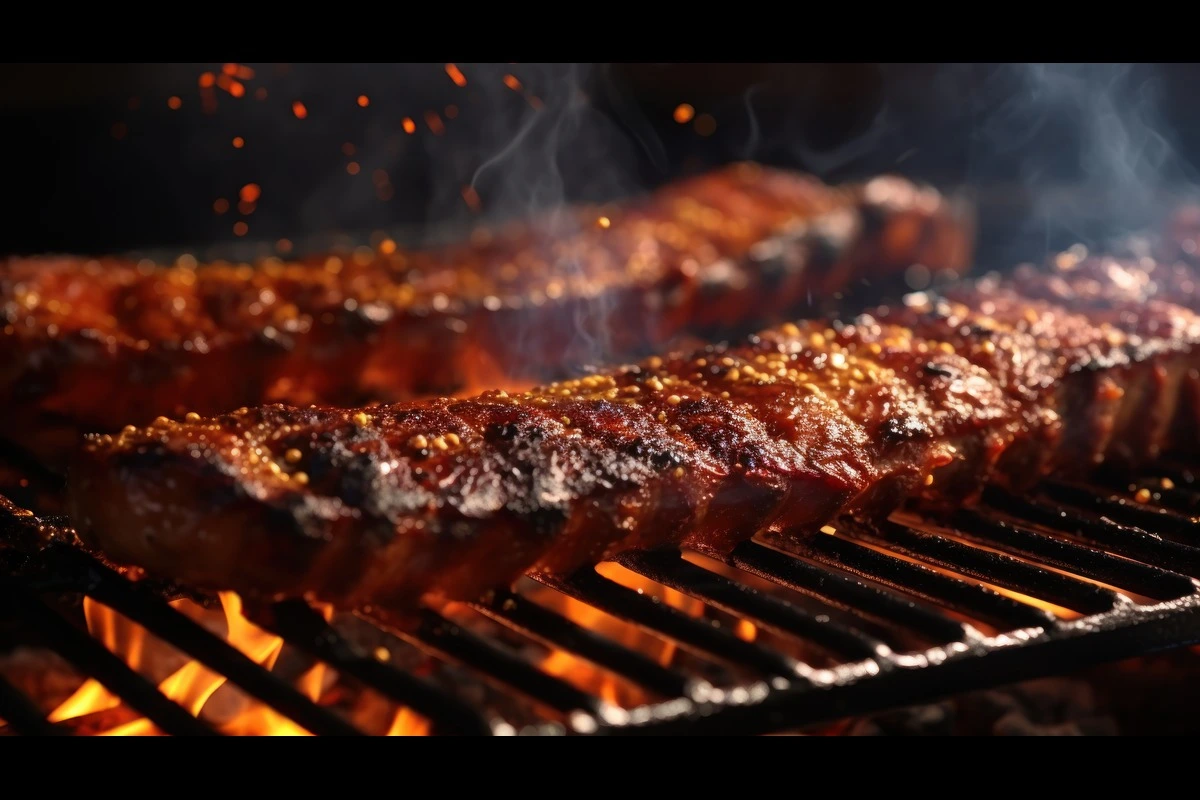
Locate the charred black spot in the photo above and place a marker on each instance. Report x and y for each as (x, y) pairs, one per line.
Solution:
(501, 432)
(903, 429)
(665, 460)
(938, 369)
(982, 330)
(637, 448)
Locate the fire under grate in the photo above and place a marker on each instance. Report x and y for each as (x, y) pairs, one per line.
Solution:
(1066, 576)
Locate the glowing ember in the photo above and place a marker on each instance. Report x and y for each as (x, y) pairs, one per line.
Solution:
(511, 82)
(684, 113)
(348, 149)
(409, 126)
(435, 123)
(239, 142)
(240, 229)
(746, 630)
(250, 193)
(174, 103)
(387, 247)
(207, 80)
(220, 205)
(451, 111)
(299, 110)
(284, 246)
(456, 75)
(237, 88)
(471, 197)
(604, 222)
(363, 101)
(353, 168)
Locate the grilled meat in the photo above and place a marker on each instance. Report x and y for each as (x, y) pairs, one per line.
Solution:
(89, 346)
(993, 381)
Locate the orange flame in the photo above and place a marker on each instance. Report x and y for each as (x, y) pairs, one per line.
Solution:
(192, 685)
(591, 678)
(408, 723)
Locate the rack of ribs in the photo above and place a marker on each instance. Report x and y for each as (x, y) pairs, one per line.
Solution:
(91, 345)
(995, 381)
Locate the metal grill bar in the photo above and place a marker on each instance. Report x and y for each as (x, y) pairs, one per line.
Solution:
(671, 570)
(91, 657)
(845, 592)
(443, 638)
(22, 715)
(299, 625)
(1118, 509)
(555, 630)
(1094, 564)
(1121, 539)
(700, 637)
(999, 570)
(967, 598)
(171, 626)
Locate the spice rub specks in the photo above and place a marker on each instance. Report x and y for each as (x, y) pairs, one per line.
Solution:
(927, 401)
(727, 250)
(681, 229)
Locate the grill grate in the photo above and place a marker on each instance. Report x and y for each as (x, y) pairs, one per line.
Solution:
(1070, 575)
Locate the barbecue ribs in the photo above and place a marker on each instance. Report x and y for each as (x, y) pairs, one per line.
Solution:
(999, 380)
(89, 346)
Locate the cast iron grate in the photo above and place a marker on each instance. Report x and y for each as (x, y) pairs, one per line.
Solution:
(1066, 576)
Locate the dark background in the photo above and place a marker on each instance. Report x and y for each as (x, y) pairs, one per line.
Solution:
(95, 160)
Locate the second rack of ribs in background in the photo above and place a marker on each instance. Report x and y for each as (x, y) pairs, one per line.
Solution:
(90, 346)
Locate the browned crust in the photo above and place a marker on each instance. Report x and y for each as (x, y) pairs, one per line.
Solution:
(995, 381)
(89, 346)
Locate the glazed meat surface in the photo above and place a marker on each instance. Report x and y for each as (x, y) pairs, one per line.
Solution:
(90, 346)
(925, 402)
